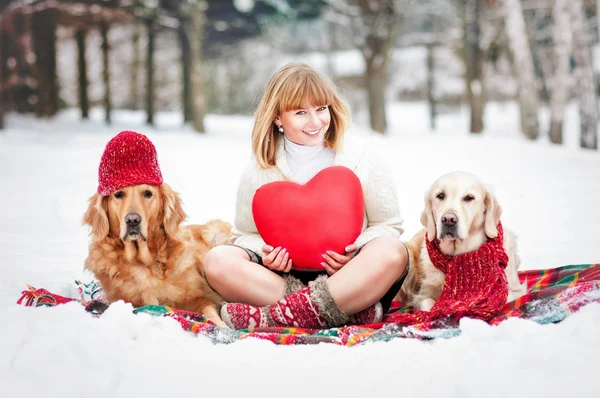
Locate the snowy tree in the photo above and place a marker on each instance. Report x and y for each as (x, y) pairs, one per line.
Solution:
(523, 67)
(43, 36)
(561, 37)
(82, 73)
(2, 67)
(134, 94)
(473, 58)
(196, 37)
(208, 26)
(586, 83)
(104, 28)
(374, 25)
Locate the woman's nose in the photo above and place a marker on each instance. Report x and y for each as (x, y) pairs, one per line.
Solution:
(315, 120)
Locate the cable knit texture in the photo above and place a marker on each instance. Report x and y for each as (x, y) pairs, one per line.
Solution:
(128, 159)
(382, 211)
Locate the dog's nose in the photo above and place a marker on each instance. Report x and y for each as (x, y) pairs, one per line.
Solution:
(133, 219)
(449, 219)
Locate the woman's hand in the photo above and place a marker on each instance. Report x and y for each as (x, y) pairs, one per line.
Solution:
(334, 261)
(276, 259)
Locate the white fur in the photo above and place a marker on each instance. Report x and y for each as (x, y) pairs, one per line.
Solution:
(477, 222)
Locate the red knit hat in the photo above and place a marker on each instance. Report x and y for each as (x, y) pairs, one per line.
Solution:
(128, 159)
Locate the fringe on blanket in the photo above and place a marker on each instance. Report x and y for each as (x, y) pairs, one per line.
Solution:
(553, 294)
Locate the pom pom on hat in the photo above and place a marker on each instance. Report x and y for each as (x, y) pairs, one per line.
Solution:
(128, 159)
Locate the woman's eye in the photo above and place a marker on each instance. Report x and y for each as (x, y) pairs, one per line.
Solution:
(301, 113)
(440, 196)
(469, 198)
(147, 194)
(322, 108)
(119, 195)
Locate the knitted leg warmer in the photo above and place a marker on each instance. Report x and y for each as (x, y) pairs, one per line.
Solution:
(244, 316)
(310, 307)
(291, 284)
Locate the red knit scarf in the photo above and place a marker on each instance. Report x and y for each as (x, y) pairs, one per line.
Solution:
(475, 285)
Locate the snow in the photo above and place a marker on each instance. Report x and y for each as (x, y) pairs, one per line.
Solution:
(48, 170)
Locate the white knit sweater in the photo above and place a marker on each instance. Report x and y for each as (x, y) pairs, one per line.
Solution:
(382, 211)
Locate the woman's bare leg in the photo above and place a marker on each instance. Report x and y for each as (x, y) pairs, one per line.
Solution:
(358, 285)
(366, 278)
(230, 272)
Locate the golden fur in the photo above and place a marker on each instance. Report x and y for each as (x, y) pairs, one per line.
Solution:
(477, 213)
(158, 261)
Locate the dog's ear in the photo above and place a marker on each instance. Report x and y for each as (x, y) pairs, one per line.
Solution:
(96, 216)
(173, 213)
(493, 212)
(427, 219)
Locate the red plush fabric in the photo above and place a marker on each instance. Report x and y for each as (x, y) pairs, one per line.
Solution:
(324, 214)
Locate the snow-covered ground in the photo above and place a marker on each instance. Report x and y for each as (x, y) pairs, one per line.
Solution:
(48, 169)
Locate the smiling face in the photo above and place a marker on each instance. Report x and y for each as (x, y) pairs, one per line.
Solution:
(306, 125)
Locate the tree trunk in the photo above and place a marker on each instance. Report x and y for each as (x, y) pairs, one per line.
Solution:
(598, 17)
(150, 72)
(196, 36)
(586, 83)
(80, 36)
(474, 63)
(332, 50)
(431, 85)
(1, 77)
(379, 20)
(20, 91)
(135, 67)
(543, 62)
(376, 81)
(43, 35)
(561, 38)
(106, 72)
(523, 68)
(186, 66)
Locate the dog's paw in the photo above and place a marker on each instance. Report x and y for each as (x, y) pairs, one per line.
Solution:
(427, 304)
(220, 323)
(514, 294)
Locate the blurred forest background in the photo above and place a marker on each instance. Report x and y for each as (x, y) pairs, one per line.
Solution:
(215, 56)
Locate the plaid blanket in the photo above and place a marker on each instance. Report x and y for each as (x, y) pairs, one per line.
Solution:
(553, 294)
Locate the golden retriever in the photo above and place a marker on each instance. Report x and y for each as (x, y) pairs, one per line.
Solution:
(142, 255)
(462, 213)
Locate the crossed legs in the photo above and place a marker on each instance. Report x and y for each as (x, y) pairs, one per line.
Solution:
(356, 286)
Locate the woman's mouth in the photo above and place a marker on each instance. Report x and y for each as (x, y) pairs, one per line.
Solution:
(311, 132)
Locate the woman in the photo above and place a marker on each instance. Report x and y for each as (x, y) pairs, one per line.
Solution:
(299, 130)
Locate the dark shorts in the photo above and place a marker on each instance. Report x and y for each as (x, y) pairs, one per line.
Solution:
(307, 276)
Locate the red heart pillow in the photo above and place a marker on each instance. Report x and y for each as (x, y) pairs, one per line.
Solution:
(324, 214)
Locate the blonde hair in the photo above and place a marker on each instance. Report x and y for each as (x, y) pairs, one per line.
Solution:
(291, 87)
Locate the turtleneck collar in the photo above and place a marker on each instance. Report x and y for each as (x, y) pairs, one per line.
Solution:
(302, 152)
(306, 161)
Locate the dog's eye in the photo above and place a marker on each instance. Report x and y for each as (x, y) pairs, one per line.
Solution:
(119, 195)
(147, 194)
(441, 196)
(469, 198)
